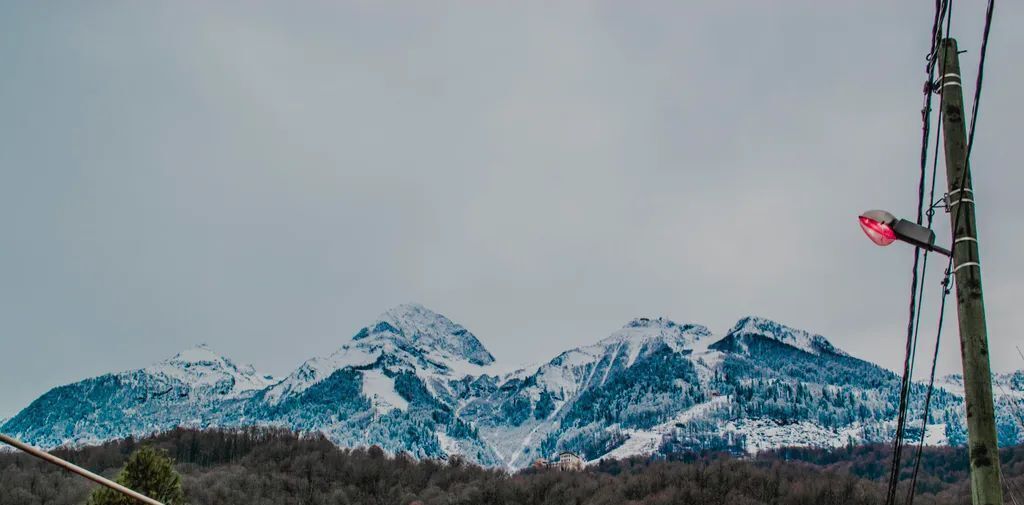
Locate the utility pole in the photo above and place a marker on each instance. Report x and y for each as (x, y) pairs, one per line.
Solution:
(986, 487)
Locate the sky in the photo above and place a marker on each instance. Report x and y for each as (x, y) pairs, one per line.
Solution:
(268, 178)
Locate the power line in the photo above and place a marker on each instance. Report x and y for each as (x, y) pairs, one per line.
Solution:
(945, 10)
(1016, 410)
(981, 77)
(956, 221)
(931, 387)
(974, 119)
(1014, 406)
(913, 323)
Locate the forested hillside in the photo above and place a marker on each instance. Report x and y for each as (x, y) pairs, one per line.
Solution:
(265, 466)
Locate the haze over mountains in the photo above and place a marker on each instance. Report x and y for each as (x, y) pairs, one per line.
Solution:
(415, 381)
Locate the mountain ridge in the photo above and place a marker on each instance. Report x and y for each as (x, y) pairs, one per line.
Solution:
(415, 381)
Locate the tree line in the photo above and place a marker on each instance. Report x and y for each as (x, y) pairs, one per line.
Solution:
(274, 466)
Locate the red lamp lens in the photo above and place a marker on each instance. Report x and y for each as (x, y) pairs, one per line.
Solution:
(879, 233)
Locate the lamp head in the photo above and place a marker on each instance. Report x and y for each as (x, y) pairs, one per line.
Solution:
(878, 226)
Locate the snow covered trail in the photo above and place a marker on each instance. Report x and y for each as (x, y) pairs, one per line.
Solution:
(524, 447)
(529, 436)
(615, 355)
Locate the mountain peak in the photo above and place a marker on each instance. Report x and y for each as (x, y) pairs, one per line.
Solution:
(414, 325)
(772, 330)
(646, 328)
(200, 353)
(199, 366)
(412, 309)
(406, 337)
(663, 322)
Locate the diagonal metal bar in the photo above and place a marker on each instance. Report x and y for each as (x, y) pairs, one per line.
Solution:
(50, 458)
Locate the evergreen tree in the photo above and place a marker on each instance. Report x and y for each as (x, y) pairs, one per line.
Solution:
(148, 471)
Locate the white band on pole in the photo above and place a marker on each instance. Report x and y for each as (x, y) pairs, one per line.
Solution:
(967, 264)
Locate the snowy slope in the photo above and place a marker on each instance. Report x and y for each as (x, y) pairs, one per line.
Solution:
(640, 442)
(415, 381)
(204, 370)
(537, 410)
(592, 365)
(398, 383)
(196, 387)
(408, 338)
(758, 327)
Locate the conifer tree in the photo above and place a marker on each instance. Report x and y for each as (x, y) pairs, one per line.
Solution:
(148, 471)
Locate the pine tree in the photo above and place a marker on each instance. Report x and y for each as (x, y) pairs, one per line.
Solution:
(149, 472)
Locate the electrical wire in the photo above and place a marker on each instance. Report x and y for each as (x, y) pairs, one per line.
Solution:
(974, 119)
(928, 394)
(947, 281)
(1015, 408)
(913, 323)
(1010, 488)
(945, 10)
(980, 79)
(901, 419)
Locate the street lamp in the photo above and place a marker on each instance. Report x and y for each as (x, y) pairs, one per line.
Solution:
(883, 228)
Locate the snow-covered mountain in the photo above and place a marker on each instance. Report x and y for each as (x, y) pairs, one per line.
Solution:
(415, 381)
(750, 328)
(408, 338)
(397, 383)
(180, 391)
(207, 373)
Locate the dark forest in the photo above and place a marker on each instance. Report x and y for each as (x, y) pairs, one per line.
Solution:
(270, 466)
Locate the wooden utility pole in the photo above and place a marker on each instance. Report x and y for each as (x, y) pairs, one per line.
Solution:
(986, 487)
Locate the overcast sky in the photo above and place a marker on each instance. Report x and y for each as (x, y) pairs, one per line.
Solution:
(269, 178)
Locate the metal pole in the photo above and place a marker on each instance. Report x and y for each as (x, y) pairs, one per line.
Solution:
(77, 469)
(981, 425)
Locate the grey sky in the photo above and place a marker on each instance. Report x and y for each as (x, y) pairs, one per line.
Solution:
(269, 178)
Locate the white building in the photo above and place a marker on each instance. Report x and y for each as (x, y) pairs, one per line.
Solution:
(568, 461)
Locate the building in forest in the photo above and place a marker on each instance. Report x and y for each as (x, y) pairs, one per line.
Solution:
(568, 461)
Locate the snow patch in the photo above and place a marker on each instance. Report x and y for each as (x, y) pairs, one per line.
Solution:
(935, 434)
(448, 444)
(380, 389)
(765, 434)
(201, 368)
(318, 369)
(644, 442)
